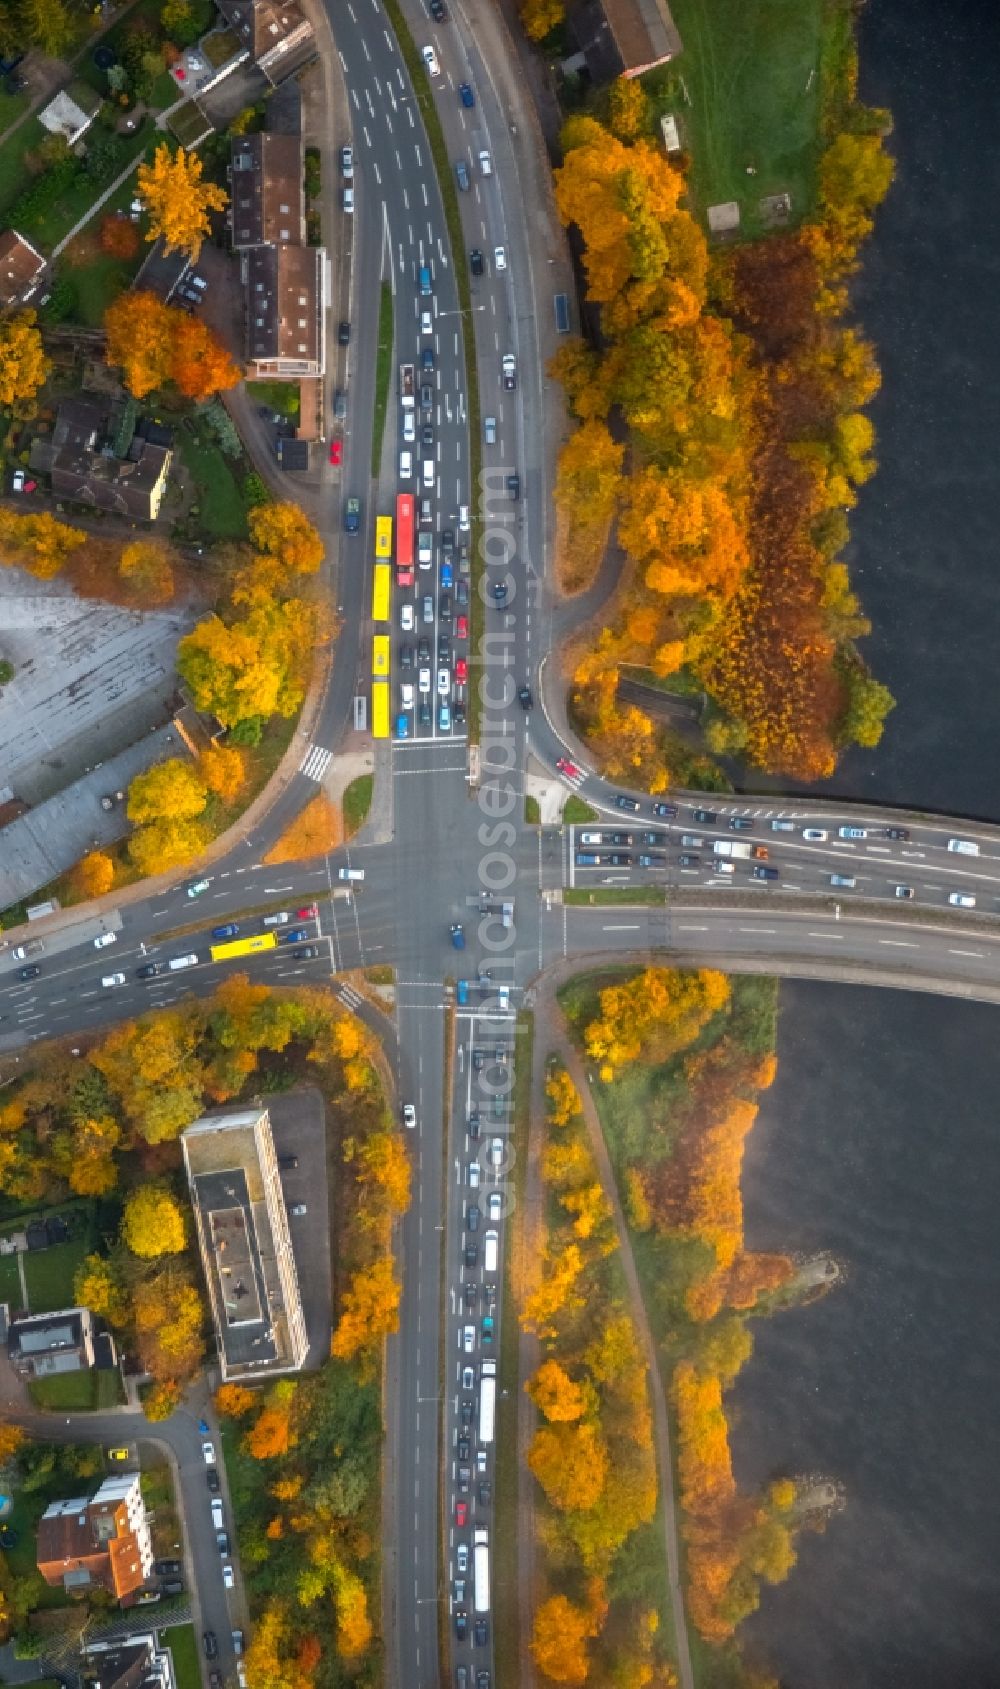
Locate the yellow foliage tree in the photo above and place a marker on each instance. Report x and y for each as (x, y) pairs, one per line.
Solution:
(171, 790)
(654, 1014)
(235, 1401)
(94, 874)
(370, 1313)
(147, 569)
(571, 1464)
(97, 1286)
(315, 830)
(556, 1394)
(539, 17)
(559, 1640)
(37, 542)
(153, 1222)
(223, 768)
(354, 1627)
(178, 201)
(23, 364)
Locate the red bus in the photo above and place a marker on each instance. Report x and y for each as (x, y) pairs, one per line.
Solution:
(404, 539)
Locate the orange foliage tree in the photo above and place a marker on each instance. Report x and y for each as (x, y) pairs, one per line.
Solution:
(154, 344)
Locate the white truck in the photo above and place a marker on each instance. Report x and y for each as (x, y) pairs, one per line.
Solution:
(739, 847)
(487, 1400)
(406, 397)
(481, 1569)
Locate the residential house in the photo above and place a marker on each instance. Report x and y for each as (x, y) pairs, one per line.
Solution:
(42, 1344)
(98, 1542)
(279, 36)
(284, 279)
(71, 113)
(623, 37)
(20, 268)
(106, 461)
(127, 1662)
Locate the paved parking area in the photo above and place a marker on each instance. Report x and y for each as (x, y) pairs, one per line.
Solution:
(298, 1121)
(90, 679)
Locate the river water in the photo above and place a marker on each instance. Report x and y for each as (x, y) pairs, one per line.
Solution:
(879, 1140)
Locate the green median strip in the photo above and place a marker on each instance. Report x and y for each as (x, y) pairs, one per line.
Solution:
(383, 375)
(617, 894)
(424, 96)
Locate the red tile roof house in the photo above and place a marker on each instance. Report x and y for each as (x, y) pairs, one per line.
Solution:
(98, 1542)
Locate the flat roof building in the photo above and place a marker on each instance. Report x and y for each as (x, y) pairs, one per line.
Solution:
(42, 1344)
(246, 1245)
(127, 1662)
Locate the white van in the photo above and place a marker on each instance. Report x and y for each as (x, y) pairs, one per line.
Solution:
(964, 847)
(350, 873)
(425, 548)
(177, 962)
(406, 466)
(217, 1517)
(112, 979)
(491, 1250)
(426, 323)
(430, 472)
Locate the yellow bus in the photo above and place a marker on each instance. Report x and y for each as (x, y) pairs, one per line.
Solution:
(380, 709)
(381, 589)
(243, 946)
(383, 537)
(380, 656)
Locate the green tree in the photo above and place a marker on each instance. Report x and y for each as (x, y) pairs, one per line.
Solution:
(49, 25)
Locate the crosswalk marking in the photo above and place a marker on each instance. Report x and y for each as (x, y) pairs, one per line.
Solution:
(315, 762)
(347, 994)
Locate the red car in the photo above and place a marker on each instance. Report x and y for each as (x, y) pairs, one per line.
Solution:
(336, 450)
(461, 669)
(568, 768)
(461, 627)
(309, 912)
(461, 1513)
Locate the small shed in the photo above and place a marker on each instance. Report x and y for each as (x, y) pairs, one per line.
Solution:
(293, 454)
(71, 113)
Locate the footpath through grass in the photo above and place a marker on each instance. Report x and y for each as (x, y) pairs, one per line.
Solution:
(750, 69)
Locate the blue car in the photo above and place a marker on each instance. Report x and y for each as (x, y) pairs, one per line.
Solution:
(230, 930)
(444, 717)
(447, 579)
(462, 992)
(402, 726)
(296, 936)
(466, 95)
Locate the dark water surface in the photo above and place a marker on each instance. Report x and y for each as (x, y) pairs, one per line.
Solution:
(880, 1140)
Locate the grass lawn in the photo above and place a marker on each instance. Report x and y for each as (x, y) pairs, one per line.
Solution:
(383, 374)
(13, 178)
(49, 1274)
(283, 396)
(10, 1281)
(11, 107)
(96, 283)
(222, 513)
(575, 811)
(751, 70)
(77, 1392)
(616, 894)
(55, 221)
(357, 802)
(532, 812)
(183, 1645)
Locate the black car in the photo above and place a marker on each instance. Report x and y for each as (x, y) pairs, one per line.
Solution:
(462, 591)
(463, 1448)
(173, 1586)
(424, 713)
(707, 817)
(500, 594)
(406, 656)
(444, 607)
(474, 1123)
(308, 953)
(485, 1493)
(620, 859)
(476, 261)
(478, 1058)
(664, 809)
(653, 861)
(741, 823)
(212, 1479)
(458, 714)
(423, 651)
(30, 972)
(467, 1406)
(427, 434)
(624, 802)
(211, 1646)
(490, 1298)
(166, 1568)
(482, 1680)
(461, 1623)
(472, 1217)
(472, 1254)
(900, 833)
(352, 516)
(447, 542)
(761, 873)
(464, 1477)
(288, 1163)
(438, 10)
(524, 697)
(444, 650)
(427, 360)
(481, 1633)
(469, 1295)
(514, 485)
(689, 861)
(149, 970)
(619, 838)
(653, 838)
(344, 334)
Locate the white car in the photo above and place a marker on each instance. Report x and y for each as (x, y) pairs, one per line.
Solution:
(496, 1205)
(113, 979)
(208, 1452)
(103, 939)
(409, 1116)
(409, 427)
(347, 200)
(407, 620)
(406, 466)
(426, 323)
(430, 59)
(18, 483)
(228, 1581)
(906, 892)
(468, 1378)
(462, 1556)
(425, 548)
(468, 1338)
(463, 519)
(852, 832)
(963, 847)
(503, 998)
(423, 680)
(444, 683)
(500, 258)
(485, 162)
(815, 835)
(406, 695)
(475, 1172)
(496, 1152)
(962, 899)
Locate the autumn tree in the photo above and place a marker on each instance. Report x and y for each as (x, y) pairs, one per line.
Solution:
(178, 201)
(171, 788)
(235, 1401)
(270, 1435)
(571, 1464)
(153, 1222)
(655, 1013)
(153, 1068)
(249, 670)
(38, 542)
(284, 533)
(23, 364)
(559, 1640)
(98, 1285)
(168, 1317)
(161, 1400)
(138, 331)
(540, 17)
(119, 237)
(11, 1439)
(370, 1312)
(223, 769)
(49, 25)
(200, 364)
(147, 567)
(628, 108)
(354, 1627)
(555, 1393)
(94, 874)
